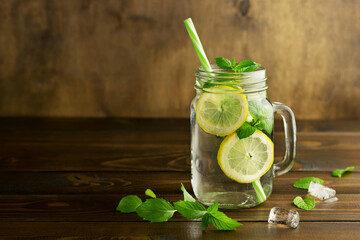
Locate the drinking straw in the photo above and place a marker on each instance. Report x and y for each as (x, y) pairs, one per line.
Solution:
(260, 194)
(197, 45)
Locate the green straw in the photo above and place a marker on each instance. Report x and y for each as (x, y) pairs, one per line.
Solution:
(197, 45)
(260, 194)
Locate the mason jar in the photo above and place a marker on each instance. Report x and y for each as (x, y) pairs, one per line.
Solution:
(211, 181)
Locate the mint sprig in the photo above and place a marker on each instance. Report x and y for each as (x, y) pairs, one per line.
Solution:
(187, 196)
(262, 116)
(129, 204)
(219, 219)
(243, 66)
(191, 210)
(223, 222)
(150, 193)
(156, 210)
(205, 221)
(245, 130)
(160, 210)
(304, 183)
(224, 63)
(307, 204)
(246, 66)
(339, 172)
(213, 208)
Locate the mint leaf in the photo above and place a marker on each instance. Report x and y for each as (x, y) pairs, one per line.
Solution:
(187, 196)
(244, 63)
(265, 124)
(245, 130)
(213, 207)
(205, 221)
(246, 66)
(243, 66)
(191, 210)
(340, 172)
(262, 116)
(220, 137)
(306, 204)
(223, 63)
(129, 204)
(156, 210)
(304, 183)
(150, 193)
(250, 68)
(223, 222)
(233, 63)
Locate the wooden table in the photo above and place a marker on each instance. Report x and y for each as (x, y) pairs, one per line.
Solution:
(63, 178)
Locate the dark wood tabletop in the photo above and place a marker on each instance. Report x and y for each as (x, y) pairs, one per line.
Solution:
(63, 178)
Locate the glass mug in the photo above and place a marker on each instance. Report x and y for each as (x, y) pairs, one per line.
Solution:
(209, 181)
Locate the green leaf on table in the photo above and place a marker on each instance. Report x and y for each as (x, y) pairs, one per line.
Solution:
(213, 208)
(129, 204)
(304, 183)
(223, 63)
(262, 116)
(187, 196)
(245, 130)
(340, 172)
(223, 222)
(156, 210)
(307, 204)
(205, 221)
(150, 193)
(191, 210)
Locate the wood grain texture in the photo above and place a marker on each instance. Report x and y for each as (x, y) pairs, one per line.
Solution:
(76, 207)
(314, 153)
(137, 182)
(63, 178)
(134, 58)
(93, 125)
(152, 145)
(172, 230)
(30, 157)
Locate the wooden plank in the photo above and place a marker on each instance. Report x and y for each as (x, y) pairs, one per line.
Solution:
(116, 125)
(99, 208)
(42, 75)
(42, 156)
(325, 153)
(135, 182)
(178, 230)
(145, 145)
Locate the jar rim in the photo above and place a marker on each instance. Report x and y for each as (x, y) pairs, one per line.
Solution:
(250, 82)
(219, 71)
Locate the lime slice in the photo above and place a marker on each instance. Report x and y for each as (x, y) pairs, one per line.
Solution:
(221, 113)
(246, 160)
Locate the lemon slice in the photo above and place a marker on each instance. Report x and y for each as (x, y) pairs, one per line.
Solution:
(246, 160)
(221, 113)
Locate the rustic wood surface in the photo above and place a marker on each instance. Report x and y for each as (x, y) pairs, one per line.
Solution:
(62, 179)
(133, 58)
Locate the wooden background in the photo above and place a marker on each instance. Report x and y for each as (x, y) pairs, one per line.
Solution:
(133, 58)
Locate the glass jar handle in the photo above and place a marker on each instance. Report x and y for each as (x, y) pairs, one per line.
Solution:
(290, 138)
